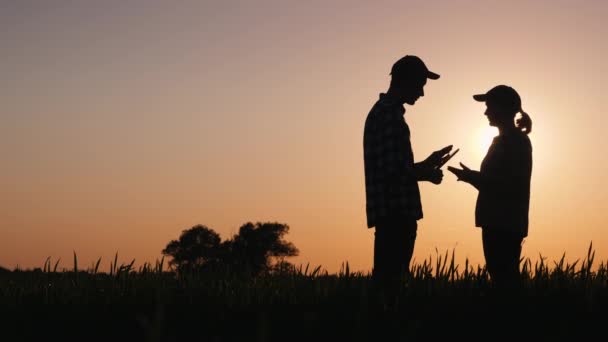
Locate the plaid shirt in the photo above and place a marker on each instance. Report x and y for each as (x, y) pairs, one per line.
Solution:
(391, 187)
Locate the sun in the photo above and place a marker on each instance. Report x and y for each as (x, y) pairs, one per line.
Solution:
(484, 138)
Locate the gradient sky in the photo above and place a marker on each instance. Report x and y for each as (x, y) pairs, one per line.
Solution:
(125, 122)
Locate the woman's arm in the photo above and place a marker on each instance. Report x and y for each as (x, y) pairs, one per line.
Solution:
(473, 177)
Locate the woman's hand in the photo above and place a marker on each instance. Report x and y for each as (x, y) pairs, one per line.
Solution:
(465, 174)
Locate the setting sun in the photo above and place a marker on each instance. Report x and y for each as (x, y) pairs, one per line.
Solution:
(484, 139)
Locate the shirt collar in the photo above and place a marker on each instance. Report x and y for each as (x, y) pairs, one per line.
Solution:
(386, 100)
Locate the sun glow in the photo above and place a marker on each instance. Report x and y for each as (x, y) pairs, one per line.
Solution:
(484, 138)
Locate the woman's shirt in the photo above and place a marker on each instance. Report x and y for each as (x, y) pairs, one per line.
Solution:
(504, 187)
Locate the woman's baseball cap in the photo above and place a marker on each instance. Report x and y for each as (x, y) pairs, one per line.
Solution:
(503, 96)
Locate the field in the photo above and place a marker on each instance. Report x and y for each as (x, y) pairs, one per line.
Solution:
(558, 300)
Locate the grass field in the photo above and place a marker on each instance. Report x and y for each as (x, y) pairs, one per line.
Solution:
(559, 300)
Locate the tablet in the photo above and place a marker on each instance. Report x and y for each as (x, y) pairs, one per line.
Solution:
(448, 157)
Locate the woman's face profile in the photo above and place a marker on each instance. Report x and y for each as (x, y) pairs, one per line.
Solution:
(497, 116)
(490, 113)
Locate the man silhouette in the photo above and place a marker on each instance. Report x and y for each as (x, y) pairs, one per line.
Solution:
(391, 176)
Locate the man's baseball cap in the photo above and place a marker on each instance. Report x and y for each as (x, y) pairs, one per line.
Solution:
(503, 96)
(412, 66)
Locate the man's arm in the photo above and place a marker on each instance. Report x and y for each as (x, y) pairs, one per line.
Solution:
(424, 172)
(430, 168)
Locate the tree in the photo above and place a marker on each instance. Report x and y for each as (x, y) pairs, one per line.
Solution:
(252, 249)
(197, 247)
(249, 252)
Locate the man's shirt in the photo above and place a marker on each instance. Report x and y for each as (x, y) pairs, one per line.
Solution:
(391, 187)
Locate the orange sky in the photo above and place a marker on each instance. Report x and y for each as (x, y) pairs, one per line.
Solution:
(125, 123)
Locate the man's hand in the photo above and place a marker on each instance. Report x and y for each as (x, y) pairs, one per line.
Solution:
(435, 176)
(430, 169)
(429, 174)
(437, 158)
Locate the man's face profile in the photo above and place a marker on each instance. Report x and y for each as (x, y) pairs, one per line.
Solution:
(413, 89)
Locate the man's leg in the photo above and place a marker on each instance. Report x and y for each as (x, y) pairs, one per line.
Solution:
(382, 254)
(393, 249)
(407, 241)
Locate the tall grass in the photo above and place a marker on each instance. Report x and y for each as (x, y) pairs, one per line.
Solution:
(296, 284)
(158, 303)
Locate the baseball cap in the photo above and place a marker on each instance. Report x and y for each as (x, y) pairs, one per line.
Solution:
(501, 95)
(412, 65)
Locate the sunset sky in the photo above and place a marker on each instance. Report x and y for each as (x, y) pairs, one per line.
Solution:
(125, 122)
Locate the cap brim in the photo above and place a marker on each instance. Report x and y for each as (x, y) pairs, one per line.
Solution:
(432, 75)
(480, 97)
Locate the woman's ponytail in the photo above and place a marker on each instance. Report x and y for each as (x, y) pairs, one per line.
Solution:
(524, 123)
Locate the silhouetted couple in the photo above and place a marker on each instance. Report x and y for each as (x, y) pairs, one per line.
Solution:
(392, 176)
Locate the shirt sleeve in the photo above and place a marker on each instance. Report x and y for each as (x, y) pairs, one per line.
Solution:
(397, 157)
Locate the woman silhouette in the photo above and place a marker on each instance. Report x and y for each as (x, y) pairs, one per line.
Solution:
(503, 182)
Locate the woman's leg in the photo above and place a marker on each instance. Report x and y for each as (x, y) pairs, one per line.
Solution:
(490, 253)
(502, 251)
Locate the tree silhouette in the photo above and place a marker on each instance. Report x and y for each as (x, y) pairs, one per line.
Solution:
(197, 247)
(252, 249)
(250, 252)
